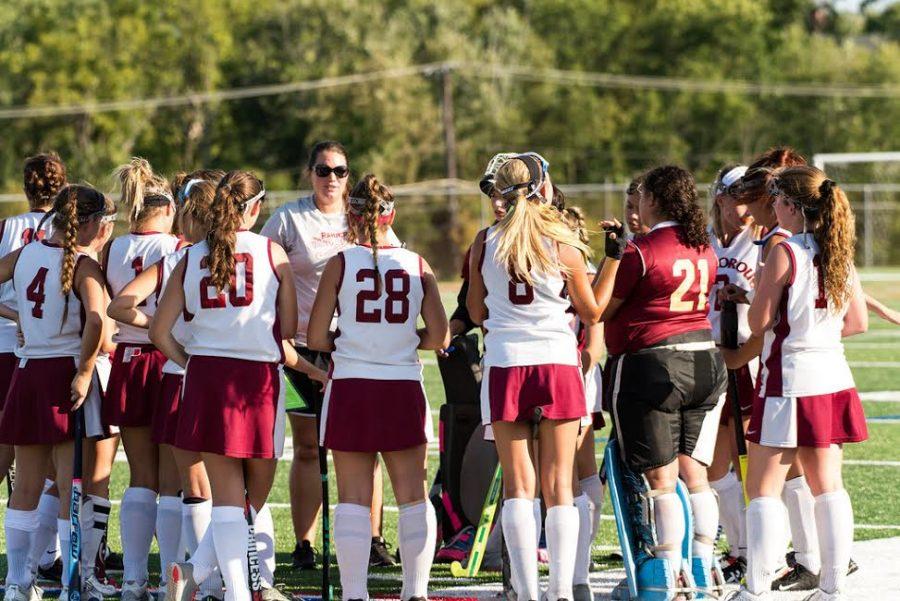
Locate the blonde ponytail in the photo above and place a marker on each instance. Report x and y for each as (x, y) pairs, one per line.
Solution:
(138, 182)
(521, 233)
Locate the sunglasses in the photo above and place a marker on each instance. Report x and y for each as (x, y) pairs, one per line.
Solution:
(341, 171)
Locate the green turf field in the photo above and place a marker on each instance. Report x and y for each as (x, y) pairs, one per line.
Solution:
(872, 473)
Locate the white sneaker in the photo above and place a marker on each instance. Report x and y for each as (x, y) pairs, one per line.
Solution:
(14, 593)
(743, 594)
(180, 584)
(136, 591)
(820, 595)
(35, 593)
(105, 590)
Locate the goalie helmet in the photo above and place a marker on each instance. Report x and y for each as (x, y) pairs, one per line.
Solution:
(487, 180)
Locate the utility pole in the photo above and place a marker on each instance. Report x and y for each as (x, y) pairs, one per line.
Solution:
(450, 157)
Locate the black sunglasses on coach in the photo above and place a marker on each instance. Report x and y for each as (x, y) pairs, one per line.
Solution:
(341, 171)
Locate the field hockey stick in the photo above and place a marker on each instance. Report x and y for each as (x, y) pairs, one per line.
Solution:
(73, 578)
(10, 481)
(254, 580)
(327, 591)
(484, 529)
(730, 341)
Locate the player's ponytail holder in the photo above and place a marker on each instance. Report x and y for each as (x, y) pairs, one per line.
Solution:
(826, 187)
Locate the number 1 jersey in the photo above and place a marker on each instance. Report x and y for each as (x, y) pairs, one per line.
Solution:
(664, 285)
(376, 333)
(241, 322)
(526, 324)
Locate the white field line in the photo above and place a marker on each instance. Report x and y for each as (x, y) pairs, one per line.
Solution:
(872, 462)
(877, 346)
(884, 364)
(879, 276)
(881, 396)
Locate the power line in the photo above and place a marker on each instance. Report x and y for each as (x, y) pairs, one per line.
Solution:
(472, 69)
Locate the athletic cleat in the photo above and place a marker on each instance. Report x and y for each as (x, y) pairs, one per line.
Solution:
(181, 585)
(136, 591)
(734, 572)
(104, 588)
(820, 595)
(582, 592)
(304, 556)
(91, 592)
(51, 572)
(35, 593)
(744, 595)
(14, 593)
(797, 578)
(457, 548)
(273, 594)
(380, 554)
(852, 567)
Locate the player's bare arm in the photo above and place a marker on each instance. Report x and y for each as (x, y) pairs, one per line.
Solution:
(124, 307)
(764, 307)
(477, 292)
(90, 284)
(856, 320)
(436, 333)
(318, 336)
(167, 311)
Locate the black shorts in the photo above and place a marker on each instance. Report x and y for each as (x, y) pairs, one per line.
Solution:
(665, 402)
(310, 391)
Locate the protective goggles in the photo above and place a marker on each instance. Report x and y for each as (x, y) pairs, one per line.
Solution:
(537, 170)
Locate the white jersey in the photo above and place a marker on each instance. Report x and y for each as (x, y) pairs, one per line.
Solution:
(166, 266)
(125, 258)
(526, 325)
(377, 333)
(737, 265)
(309, 237)
(241, 322)
(16, 232)
(51, 322)
(803, 354)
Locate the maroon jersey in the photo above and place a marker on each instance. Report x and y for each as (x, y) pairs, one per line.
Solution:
(664, 285)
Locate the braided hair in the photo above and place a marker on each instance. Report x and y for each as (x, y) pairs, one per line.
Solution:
(44, 175)
(371, 202)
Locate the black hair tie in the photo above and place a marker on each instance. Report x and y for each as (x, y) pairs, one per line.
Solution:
(826, 187)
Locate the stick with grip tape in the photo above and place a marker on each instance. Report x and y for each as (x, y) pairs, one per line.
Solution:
(730, 341)
(476, 555)
(73, 578)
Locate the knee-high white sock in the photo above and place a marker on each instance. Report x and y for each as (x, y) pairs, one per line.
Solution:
(731, 512)
(416, 531)
(562, 542)
(87, 527)
(521, 543)
(92, 538)
(196, 515)
(585, 526)
(44, 530)
(168, 533)
(19, 526)
(65, 552)
(204, 557)
(706, 522)
(834, 521)
(352, 541)
(137, 520)
(670, 529)
(765, 519)
(230, 533)
(593, 488)
(265, 545)
(801, 513)
(538, 523)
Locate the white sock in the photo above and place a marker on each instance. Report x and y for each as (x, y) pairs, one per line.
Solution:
(62, 526)
(92, 538)
(137, 520)
(801, 513)
(168, 533)
(765, 517)
(416, 532)
(668, 516)
(585, 525)
(834, 521)
(195, 518)
(195, 532)
(204, 558)
(731, 512)
(265, 545)
(352, 542)
(705, 510)
(19, 526)
(44, 530)
(521, 543)
(593, 488)
(230, 533)
(562, 540)
(87, 529)
(538, 524)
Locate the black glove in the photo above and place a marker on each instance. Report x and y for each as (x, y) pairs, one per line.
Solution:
(615, 242)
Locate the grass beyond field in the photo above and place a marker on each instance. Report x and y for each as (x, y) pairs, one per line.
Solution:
(871, 472)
